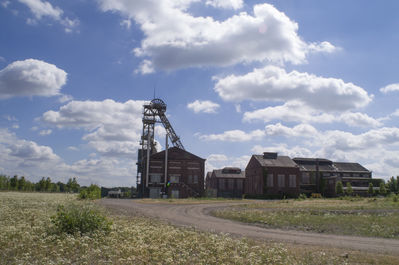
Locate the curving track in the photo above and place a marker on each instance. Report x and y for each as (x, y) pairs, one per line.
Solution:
(196, 215)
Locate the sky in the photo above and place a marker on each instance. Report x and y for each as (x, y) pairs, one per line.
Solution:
(303, 78)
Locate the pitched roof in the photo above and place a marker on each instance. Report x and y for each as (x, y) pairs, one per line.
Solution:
(280, 161)
(218, 173)
(350, 167)
(176, 153)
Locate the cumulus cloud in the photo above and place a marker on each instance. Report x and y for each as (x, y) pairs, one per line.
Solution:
(112, 128)
(218, 161)
(175, 39)
(205, 106)
(294, 111)
(301, 130)
(283, 149)
(31, 78)
(272, 83)
(42, 9)
(390, 88)
(228, 4)
(234, 136)
(45, 132)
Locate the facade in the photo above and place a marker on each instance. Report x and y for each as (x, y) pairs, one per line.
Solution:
(185, 175)
(227, 182)
(270, 175)
(320, 175)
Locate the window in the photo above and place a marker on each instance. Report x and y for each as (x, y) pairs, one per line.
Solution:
(292, 179)
(270, 181)
(356, 175)
(305, 178)
(192, 179)
(174, 178)
(347, 175)
(189, 179)
(175, 194)
(195, 179)
(231, 184)
(281, 181)
(326, 174)
(155, 178)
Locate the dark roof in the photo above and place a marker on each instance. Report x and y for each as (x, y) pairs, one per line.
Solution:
(175, 153)
(305, 160)
(218, 173)
(280, 161)
(322, 168)
(350, 167)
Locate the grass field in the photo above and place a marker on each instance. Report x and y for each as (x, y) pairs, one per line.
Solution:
(26, 238)
(191, 200)
(374, 217)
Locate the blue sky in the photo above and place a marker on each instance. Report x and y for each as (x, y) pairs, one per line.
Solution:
(303, 78)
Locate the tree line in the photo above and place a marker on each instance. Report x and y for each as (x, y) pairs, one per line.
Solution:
(44, 185)
(391, 186)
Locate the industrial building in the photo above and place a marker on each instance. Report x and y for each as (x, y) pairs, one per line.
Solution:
(173, 172)
(227, 182)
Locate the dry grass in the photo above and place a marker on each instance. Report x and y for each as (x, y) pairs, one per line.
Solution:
(192, 200)
(25, 239)
(375, 217)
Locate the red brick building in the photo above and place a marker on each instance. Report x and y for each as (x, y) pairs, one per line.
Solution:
(185, 175)
(270, 175)
(227, 182)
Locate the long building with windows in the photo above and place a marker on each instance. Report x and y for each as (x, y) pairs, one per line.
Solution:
(227, 182)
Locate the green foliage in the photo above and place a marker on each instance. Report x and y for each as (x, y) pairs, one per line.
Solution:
(383, 190)
(371, 189)
(339, 189)
(92, 192)
(14, 183)
(349, 190)
(77, 219)
(302, 196)
(393, 184)
(72, 185)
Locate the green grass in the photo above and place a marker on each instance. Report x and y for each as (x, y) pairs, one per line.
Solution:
(375, 217)
(26, 238)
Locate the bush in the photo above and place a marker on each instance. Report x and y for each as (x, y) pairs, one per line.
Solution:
(383, 190)
(302, 196)
(349, 190)
(74, 219)
(92, 192)
(371, 189)
(339, 189)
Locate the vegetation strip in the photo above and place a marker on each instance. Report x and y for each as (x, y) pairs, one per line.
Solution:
(373, 217)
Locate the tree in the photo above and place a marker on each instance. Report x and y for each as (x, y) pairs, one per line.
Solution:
(371, 189)
(393, 184)
(73, 185)
(14, 182)
(41, 185)
(383, 190)
(21, 183)
(339, 189)
(349, 190)
(4, 182)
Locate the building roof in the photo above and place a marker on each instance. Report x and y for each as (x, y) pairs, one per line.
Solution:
(305, 160)
(322, 168)
(219, 173)
(175, 153)
(350, 167)
(280, 161)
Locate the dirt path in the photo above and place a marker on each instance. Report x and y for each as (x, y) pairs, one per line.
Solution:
(196, 215)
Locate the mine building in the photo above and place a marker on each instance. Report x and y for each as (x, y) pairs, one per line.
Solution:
(271, 176)
(184, 174)
(227, 182)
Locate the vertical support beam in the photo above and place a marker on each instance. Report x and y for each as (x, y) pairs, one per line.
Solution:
(147, 171)
(166, 160)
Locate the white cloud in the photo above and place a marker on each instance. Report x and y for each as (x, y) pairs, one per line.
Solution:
(228, 4)
(234, 136)
(301, 130)
(175, 39)
(390, 88)
(217, 157)
(65, 98)
(45, 132)
(42, 9)
(73, 148)
(113, 128)
(2, 59)
(294, 111)
(145, 67)
(15, 126)
(205, 106)
(31, 78)
(283, 149)
(214, 163)
(272, 83)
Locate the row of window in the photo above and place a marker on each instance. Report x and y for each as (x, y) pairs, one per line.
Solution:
(191, 179)
(228, 184)
(281, 181)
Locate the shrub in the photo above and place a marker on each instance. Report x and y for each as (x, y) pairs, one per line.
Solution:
(339, 189)
(383, 190)
(349, 190)
(92, 192)
(371, 189)
(395, 198)
(302, 196)
(74, 219)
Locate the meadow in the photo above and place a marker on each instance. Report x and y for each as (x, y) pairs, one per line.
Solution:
(27, 237)
(373, 217)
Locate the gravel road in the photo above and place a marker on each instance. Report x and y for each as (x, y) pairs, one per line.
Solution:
(196, 215)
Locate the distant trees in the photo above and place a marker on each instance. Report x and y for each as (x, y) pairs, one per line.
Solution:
(43, 185)
(371, 189)
(349, 190)
(339, 189)
(393, 184)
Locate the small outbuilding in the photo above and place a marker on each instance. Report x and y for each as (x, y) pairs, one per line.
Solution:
(227, 182)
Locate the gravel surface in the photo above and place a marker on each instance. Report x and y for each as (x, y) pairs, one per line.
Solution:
(197, 216)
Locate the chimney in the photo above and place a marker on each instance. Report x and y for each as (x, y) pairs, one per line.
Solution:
(269, 155)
